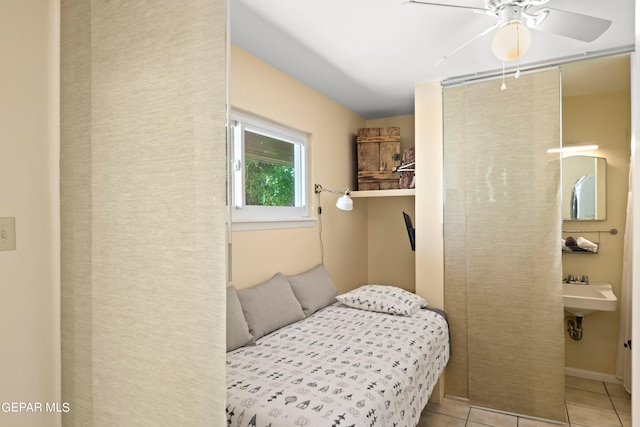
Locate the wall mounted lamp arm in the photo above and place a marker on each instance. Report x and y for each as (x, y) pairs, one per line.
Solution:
(344, 202)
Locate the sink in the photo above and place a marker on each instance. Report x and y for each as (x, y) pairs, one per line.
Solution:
(581, 300)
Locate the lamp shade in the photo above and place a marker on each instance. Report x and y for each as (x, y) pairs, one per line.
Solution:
(344, 203)
(511, 41)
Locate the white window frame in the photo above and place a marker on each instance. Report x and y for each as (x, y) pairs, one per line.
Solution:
(246, 217)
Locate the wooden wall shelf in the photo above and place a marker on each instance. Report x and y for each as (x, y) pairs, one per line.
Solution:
(383, 193)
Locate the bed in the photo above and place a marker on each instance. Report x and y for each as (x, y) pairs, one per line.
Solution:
(370, 357)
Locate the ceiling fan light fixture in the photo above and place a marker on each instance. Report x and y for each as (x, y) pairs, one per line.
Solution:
(533, 20)
(511, 41)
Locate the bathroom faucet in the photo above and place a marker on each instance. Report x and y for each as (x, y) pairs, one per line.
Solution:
(577, 280)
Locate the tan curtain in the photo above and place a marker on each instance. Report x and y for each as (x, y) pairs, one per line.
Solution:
(143, 92)
(503, 268)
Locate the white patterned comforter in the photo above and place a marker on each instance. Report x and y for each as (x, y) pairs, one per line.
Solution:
(339, 367)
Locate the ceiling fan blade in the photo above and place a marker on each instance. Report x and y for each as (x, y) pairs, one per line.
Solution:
(476, 9)
(573, 25)
(484, 33)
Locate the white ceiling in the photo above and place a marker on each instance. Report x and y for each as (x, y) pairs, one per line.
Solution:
(368, 55)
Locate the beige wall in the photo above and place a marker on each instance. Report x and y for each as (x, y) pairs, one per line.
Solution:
(366, 245)
(429, 218)
(391, 260)
(262, 90)
(603, 119)
(407, 124)
(29, 276)
(429, 214)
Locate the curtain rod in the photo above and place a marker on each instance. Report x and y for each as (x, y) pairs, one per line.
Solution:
(537, 66)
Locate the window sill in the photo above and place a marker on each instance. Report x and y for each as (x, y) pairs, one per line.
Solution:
(248, 224)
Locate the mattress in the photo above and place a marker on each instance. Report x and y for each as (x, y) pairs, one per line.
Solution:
(341, 366)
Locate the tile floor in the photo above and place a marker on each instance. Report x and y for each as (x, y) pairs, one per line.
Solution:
(588, 402)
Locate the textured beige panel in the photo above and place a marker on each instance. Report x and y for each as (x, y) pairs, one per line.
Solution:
(147, 345)
(76, 212)
(502, 234)
(455, 157)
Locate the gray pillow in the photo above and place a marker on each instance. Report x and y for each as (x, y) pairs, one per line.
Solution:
(270, 306)
(237, 329)
(314, 289)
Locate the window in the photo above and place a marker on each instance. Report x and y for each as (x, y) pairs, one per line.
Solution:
(269, 177)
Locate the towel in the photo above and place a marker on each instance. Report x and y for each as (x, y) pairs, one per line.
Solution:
(587, 244)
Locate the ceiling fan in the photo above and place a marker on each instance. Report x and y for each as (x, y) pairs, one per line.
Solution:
(516, 17)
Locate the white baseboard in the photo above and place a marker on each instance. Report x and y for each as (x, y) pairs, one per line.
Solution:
(598, 376)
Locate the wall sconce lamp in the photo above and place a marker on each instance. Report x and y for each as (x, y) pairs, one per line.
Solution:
(344, 202)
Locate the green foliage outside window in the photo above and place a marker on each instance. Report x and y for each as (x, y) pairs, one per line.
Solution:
(269, 184)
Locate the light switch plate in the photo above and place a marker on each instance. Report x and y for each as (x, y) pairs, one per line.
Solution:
(7, 234)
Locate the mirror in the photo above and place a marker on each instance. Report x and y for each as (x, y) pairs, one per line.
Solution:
(584, 183)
